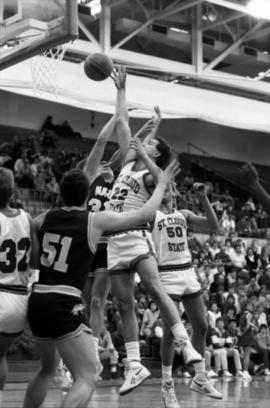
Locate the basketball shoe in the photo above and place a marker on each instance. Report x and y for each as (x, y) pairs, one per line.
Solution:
(201, 384)
(134, 376)
(190, 355)
(168, 394)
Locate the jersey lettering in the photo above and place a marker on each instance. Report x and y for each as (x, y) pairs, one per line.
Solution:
(10, 250)
(176, 247)
(55, 251)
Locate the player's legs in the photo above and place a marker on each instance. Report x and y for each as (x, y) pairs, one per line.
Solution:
(37, 389)
(100, 290)
(87, 294)
(79, 356)
(167, 357)
(195, 310)
(123, 288)
(148, 271)
(5, 343)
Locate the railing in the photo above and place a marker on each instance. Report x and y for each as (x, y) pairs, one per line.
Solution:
(33, 201)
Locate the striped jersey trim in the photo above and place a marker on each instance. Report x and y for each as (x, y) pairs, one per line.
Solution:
(16, 289)
(179, 267)
(62, 289)
(140, 228)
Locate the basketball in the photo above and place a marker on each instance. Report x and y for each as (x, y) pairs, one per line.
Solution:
(98, 66)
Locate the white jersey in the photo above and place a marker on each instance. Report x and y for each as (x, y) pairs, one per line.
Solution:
(15, 248)
(129, 191)
(170, 239)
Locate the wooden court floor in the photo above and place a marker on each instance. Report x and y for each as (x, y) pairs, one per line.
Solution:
(236, 394)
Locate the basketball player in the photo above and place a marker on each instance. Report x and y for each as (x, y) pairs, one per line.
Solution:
(68, 238)
(101, 178)
(15, 250)
(132, 250)
(97, 286)
(180, 282)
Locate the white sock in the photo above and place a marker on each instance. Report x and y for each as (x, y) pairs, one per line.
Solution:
(166, 373)
(96, 341)
(179, 331)
(200, 367)
(133, 353)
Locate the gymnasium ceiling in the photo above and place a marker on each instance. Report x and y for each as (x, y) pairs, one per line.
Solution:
(213, 44)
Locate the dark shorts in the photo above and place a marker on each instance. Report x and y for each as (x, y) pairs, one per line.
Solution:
(100, 259)
(55, 316)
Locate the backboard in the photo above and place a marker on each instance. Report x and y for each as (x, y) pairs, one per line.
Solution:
(29, 27)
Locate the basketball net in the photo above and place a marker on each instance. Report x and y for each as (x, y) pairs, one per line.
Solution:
(45, 68)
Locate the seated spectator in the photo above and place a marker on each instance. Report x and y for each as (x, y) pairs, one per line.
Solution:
(219, 339)
(228, 310)
(247, 340)
(252, 288)
(263, 347)
(52, 189)
(107, 350)
(219, 279)
(224, 258)
(213, 314)
(253, 262)
(264, 278)
(227, 223)
(23, 172)
(239, 261)
(150, 316)
(255, 245)
(194, 244)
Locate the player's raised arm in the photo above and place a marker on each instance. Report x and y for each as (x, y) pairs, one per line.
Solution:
(141, 154)
(95, 155)
(121, 113)
(112, 221)
(252, 180)
(156, 122)
(209, 222)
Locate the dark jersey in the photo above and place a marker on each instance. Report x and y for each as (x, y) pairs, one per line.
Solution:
(99, 195)
(66, 248)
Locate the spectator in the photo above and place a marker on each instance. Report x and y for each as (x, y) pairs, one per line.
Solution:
(150, 316)
(224, 258)
(107, 350)
(263, 347)
(247, 338)
(264, 278)
(23, 172)
(253, 262)
(194, 244)
(219, 339)
(213, 314)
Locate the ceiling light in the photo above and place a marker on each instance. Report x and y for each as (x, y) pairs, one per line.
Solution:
(259, 8)
(179, 30)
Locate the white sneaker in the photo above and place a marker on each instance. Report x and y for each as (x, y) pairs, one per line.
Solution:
(267, 371)
(168, 395)
(186, 374)
(212, 374)
(190, 355)
(246, 375)
(227, 374)
(205, 388)
(134, 376)
(239, 373)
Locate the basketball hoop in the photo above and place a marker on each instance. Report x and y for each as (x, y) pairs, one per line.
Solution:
(45, 68)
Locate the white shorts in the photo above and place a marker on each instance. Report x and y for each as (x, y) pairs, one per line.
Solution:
(180, 283)
(13, 309)
(127, 248)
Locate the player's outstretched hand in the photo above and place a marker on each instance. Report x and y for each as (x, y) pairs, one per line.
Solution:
(137, 145)
(146, 129)
(157, 118)
(169, 174)
(200, 190)
(250, 173)
(119, 76)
